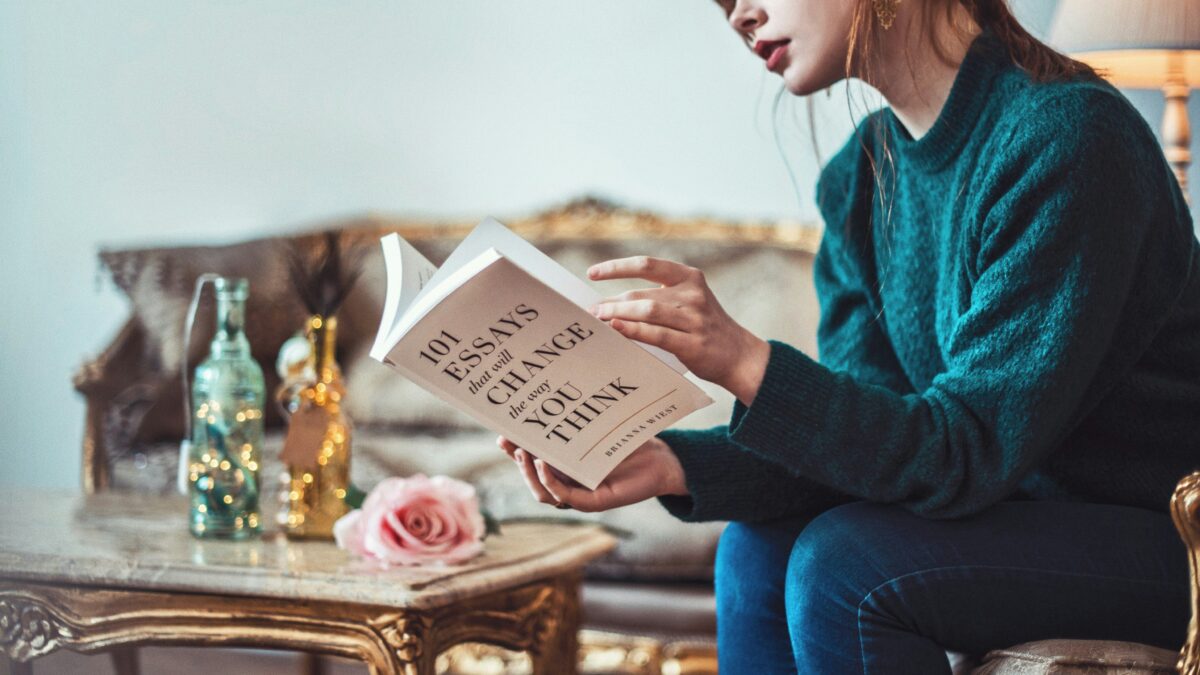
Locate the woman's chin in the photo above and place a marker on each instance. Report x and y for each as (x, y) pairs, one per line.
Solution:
(802, 88)
(805, 84)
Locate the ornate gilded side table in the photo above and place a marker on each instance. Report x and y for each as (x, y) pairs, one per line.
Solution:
(90, 573)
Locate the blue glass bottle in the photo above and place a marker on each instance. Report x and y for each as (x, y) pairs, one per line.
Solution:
(227, 427)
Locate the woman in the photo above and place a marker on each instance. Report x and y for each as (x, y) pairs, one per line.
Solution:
(1009, 372)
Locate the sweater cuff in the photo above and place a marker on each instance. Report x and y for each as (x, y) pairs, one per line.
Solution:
(704, 456)
(791, 398)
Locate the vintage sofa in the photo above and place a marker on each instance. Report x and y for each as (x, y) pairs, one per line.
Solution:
(647, 605)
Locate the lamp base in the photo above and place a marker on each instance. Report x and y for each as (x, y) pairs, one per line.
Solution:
(1177, 132)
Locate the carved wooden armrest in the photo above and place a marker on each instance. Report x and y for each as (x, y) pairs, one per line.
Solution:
(1185, 509)
(99, 380)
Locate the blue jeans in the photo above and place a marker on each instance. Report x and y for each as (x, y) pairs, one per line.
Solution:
(867, 589)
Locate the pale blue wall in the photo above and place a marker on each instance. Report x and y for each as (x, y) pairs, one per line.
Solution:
(139, 121)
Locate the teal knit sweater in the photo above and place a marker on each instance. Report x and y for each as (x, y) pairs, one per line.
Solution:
(1020, 320)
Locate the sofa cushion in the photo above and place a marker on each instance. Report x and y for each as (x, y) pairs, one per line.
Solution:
(159, 283)
(663, 610)
(1079, 657)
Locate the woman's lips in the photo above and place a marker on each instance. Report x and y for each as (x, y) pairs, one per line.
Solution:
(773, 51)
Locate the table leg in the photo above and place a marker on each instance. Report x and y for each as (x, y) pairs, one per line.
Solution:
(559, 650)
(12, 667)
(125, 660)
(313, 665)
(540, 618)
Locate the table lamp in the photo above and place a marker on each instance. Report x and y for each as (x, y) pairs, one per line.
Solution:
(1140, 44)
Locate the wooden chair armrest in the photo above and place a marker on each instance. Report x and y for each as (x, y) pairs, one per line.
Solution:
(1185, 509)
(99, 380)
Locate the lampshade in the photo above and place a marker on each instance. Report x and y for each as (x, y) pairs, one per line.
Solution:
(1144, 44)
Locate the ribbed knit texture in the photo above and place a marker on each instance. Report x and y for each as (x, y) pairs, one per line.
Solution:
(1021, 321)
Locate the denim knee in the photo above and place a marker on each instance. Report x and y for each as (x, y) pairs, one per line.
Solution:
(831, 567)
(751, 565)
(752, 630)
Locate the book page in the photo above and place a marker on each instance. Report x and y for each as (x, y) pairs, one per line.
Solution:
(407, 272)
(437, 292)
(529, 364)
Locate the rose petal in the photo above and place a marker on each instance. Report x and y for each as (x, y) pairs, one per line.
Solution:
(348, 532)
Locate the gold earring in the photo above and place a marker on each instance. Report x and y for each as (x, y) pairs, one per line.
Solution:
(885, 10)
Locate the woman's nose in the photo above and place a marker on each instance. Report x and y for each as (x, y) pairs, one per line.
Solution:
(747, 16)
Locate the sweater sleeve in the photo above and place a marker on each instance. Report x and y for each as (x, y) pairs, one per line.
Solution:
(726, 482)
(1055, 315)
(849, 335)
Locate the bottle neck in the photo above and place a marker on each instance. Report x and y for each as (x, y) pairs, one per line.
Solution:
(230, 339)
(323, 333)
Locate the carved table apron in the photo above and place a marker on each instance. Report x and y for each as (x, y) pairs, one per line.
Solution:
(96, 572)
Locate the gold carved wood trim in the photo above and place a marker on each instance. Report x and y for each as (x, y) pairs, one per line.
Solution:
(1185, 509)
(596, 220)
(39, 619)
(541, 618)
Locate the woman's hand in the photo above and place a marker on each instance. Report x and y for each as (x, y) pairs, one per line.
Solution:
(683, 317)
(649, 471)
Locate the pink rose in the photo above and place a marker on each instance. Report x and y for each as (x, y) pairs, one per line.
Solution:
(414, 521)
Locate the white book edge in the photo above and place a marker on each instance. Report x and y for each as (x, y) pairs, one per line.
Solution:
(408, 275)
(394, 270)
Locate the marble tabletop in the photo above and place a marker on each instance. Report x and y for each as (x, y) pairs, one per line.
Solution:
(141, 542)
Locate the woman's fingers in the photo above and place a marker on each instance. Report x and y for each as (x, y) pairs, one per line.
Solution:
(540, 493)
(674, 341)
(507, 446)
(665, 272)
(668, 314)
(636, 294)
(557, 490)
(550, 486)
(579, 498)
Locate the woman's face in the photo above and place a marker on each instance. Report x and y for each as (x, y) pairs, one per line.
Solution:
(804, 41)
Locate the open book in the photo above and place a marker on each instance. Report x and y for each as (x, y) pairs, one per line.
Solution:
(502, 332)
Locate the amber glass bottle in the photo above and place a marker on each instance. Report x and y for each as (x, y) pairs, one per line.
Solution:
(314, 491)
